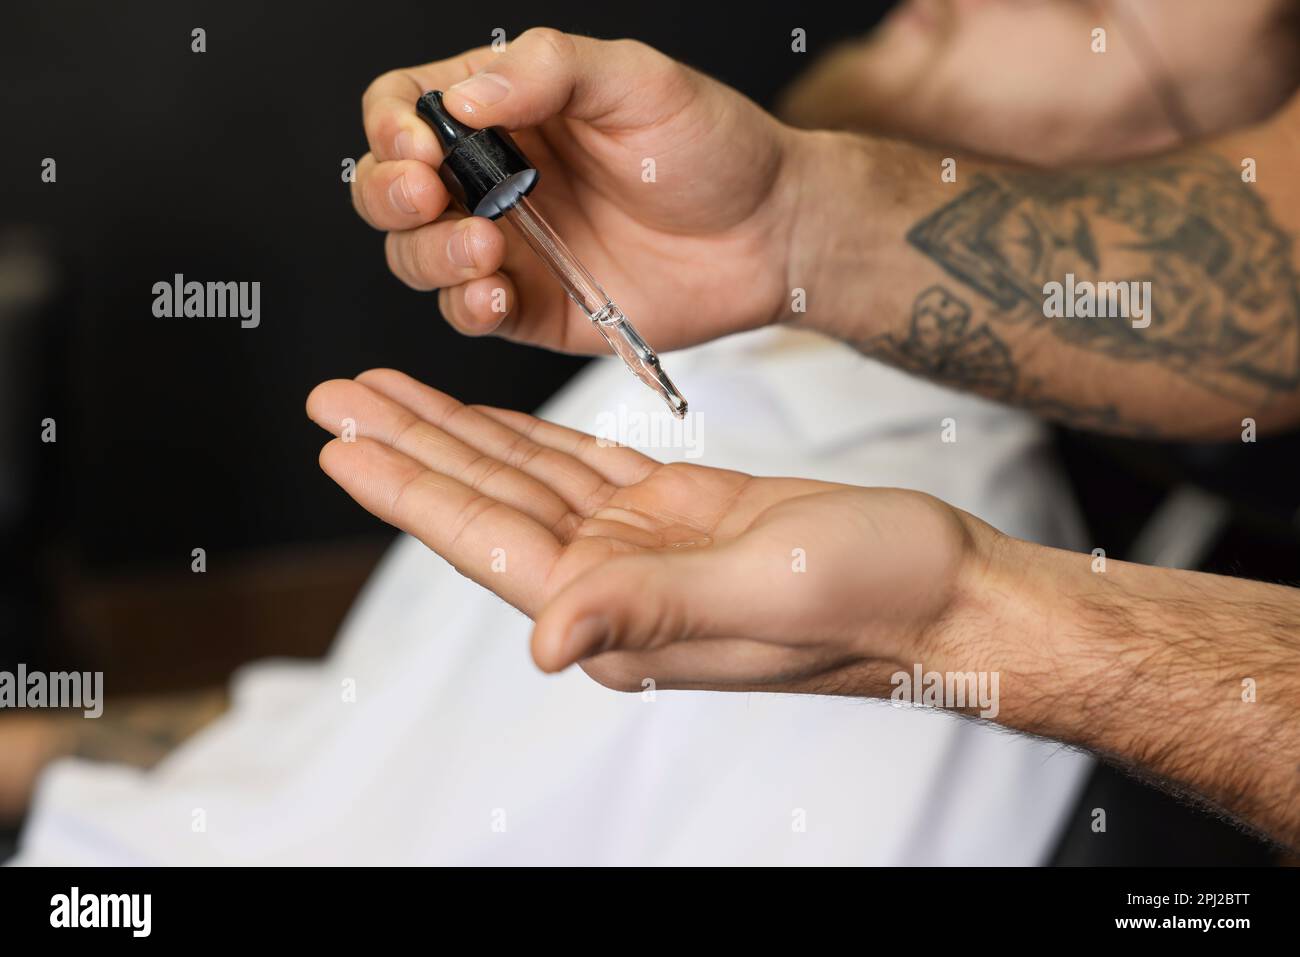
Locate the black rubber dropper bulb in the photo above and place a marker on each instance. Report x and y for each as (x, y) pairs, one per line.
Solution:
(445, 126)
(483, 169)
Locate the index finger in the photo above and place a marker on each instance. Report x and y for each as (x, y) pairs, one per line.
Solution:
(468, 528)
(393, 129)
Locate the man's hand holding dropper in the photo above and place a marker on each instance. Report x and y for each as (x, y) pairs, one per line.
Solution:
(684, 573)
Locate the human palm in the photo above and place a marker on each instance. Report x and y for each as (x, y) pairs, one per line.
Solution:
(687, 575)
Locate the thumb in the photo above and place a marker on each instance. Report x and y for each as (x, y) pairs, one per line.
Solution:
(639, 603)
(545, 72)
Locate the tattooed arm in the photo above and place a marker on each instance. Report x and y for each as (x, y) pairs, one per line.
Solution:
(955, 280)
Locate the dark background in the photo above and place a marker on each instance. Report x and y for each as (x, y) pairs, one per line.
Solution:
(182, 433)
(226, 165)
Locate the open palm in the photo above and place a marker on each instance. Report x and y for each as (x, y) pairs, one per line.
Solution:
(688, 575)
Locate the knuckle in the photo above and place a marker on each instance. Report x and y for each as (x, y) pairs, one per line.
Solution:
(552, 43)
(373, 126)
(424, 252)
(395, 254)
(378, 85)
(373, 196)
(635, 49)
(357, 192)
(647, 59)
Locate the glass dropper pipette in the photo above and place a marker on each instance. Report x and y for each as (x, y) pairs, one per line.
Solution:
(491, 177)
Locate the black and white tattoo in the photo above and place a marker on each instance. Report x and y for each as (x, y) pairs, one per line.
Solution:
(942, 343)
(1226, 300)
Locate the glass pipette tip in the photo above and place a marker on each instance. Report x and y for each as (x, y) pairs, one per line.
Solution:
(609, 320)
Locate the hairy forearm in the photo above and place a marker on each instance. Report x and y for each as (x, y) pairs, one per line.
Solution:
(1187, 678)
(951, 279)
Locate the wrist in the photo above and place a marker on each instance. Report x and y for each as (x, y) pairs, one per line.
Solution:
(982, 608)
(956, 653)
(821, 170)
(846, 225)
(1016, 618)
(1183, 675)
(1018, 611)
(959, 631)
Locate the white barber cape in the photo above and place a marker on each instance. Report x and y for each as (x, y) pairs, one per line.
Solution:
(457, 750)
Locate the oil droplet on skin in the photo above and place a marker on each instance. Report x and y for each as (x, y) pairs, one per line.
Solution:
(669, 536)
(682, 536)
(694, 543)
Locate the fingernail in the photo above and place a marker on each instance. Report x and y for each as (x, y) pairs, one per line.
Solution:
(404, 145)
(483, 89)
(458, 250)
(400, 197)
(587, 637)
